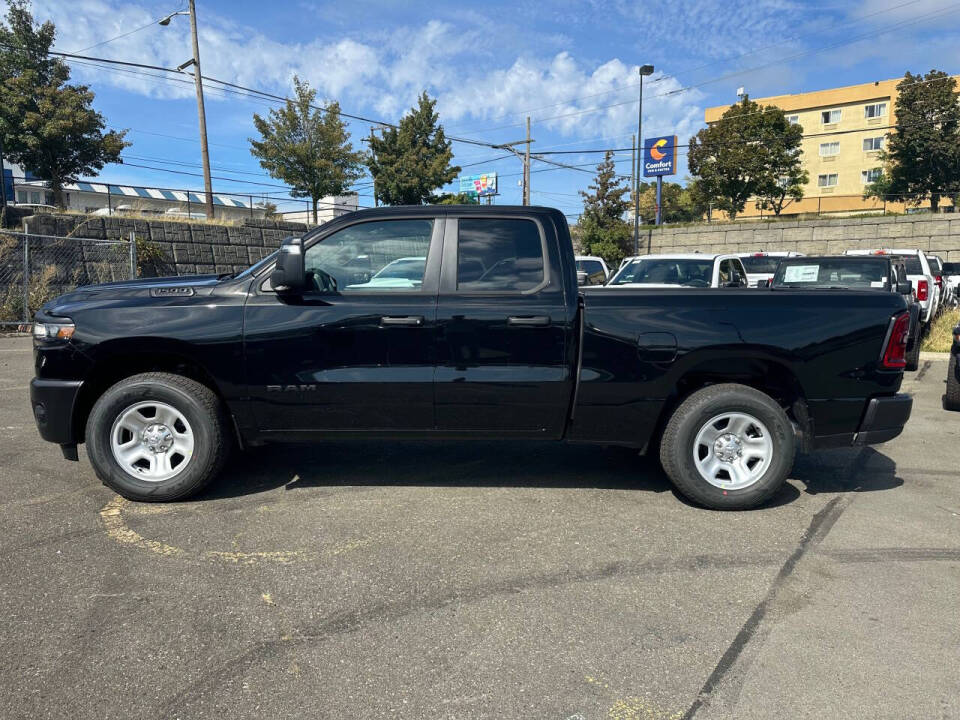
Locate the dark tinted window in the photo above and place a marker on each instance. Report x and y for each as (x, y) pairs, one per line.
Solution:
(590, 266)
(912, 263)
(841, 272)
(499, 255)
(760, 264)
(951, 268)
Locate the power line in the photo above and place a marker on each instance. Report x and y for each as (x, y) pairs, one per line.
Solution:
(123, 35)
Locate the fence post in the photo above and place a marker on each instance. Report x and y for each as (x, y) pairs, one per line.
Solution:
(133, 255)
(26, 274)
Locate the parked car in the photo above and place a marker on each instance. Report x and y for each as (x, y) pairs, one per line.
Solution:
(761, 266)
(847, 272)
(162, 377)
(920, 274)
(951, 278)
(591, 270)
(936, 267)
(693, 270)
(951, 400)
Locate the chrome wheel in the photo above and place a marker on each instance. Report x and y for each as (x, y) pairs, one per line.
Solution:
(152, 441)
(732, 450)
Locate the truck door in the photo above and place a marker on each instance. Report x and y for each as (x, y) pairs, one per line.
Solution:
(503, 329)
(356, 352)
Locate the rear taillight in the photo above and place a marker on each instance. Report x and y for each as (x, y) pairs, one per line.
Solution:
(895, 353)
(923, 290)
(939, 281)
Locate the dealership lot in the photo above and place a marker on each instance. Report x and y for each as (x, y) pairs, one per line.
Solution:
(463, 580)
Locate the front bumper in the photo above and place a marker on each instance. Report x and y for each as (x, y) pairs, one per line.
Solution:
(52, 402)
(884, 419)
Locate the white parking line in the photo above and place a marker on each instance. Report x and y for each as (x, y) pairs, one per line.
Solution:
(19, 387)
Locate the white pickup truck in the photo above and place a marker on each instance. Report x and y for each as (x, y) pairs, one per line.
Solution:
(920, 274)
(695, 270)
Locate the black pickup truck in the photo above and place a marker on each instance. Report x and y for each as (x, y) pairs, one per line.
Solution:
(461, 322)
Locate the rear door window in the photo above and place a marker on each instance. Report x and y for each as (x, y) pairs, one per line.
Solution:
(499, 255)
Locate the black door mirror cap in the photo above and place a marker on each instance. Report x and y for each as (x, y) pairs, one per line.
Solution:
(289, 275)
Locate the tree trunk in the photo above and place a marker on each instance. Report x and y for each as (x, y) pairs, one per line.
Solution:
(934, 202)
(57, 188)
(315, 211)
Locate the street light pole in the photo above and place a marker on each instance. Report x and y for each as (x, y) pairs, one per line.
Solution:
(644, 70)
(201, 112)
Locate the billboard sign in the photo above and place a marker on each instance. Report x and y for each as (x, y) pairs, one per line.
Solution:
(660, 156)
(480, 185)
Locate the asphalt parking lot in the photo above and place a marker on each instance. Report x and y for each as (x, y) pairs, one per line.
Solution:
(490, 580)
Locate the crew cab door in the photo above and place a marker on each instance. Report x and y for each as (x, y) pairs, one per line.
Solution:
(356, 352)
(503, 329)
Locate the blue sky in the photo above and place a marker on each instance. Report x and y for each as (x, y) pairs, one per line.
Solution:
(571, 66)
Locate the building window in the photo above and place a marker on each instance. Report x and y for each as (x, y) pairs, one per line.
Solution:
(870, 176)
(829, 148)
(35, 198)
(22, 196)
(871, 144)
(793, 119)
(830, 116)
(829, 180)
(875, 110)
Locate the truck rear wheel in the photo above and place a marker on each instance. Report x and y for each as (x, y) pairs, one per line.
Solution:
(951, 400)
(157, 436)
(913, 354)
(728, 447)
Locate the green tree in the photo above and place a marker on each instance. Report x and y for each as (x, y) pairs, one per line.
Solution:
(47, 125)
(923, 156)
(457, 198)
(307, 147)
(411, 161)
(678, 203)
(745, 154)
(602, 229)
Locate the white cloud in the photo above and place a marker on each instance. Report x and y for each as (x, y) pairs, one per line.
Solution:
(379, 74)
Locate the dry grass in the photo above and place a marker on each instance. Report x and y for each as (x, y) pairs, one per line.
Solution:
(941, 332)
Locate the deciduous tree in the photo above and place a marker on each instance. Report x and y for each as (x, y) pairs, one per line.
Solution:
(47, 125)
(307, 147)
(745, 154)
(922, 156)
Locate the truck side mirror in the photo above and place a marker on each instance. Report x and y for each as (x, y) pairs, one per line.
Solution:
(581, 277)
(289, 275)
(905, 287)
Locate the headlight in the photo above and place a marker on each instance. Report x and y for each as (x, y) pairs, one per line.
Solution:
(53, 331)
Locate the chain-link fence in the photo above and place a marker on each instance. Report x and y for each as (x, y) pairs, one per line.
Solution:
(38, 268)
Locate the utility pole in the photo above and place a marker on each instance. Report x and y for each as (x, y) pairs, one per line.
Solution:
(3, 179)
(201, 112)
(644, 71)
(524, 158)
(526, 168)
(375, 203)
(633, 164)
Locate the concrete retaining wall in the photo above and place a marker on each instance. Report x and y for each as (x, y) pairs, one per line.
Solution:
(184, 248)
(937, 234)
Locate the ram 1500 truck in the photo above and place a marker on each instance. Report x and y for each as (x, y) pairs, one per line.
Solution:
(483, 332)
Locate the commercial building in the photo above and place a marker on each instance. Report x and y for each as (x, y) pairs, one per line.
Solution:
(844, 129)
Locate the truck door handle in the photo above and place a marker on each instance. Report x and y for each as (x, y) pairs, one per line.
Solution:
(529, 320)
(404, 320)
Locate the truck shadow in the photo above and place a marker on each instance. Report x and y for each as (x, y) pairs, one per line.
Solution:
(363, 464)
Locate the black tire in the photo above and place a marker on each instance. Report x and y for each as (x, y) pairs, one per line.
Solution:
(951, 400)
(913, 355)
(679, 440)
(201, 407)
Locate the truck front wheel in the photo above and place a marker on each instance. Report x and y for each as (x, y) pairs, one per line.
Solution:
(951, 399)
(157, 436)
(728, 447)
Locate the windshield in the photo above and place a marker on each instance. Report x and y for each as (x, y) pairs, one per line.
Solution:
(756, 264)
(912, 264)
(404, 269)
(665, 271)
(842, 272)
(590, 266)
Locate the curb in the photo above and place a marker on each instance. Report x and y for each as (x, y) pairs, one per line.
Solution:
(924, 355)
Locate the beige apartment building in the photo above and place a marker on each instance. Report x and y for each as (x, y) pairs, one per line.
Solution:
(844, 128)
